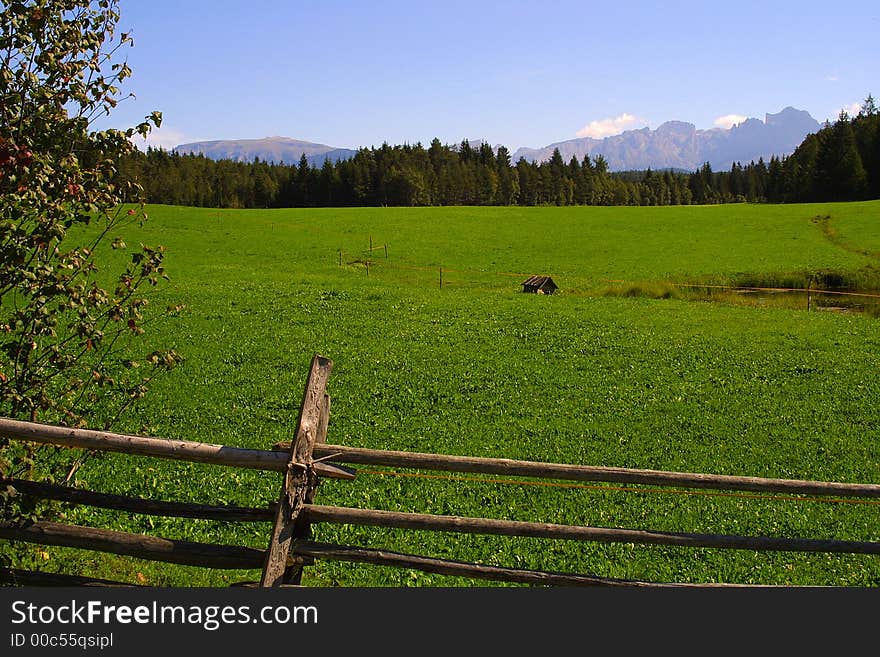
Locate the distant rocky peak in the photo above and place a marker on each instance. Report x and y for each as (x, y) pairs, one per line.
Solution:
(789, 115)
(678, 127)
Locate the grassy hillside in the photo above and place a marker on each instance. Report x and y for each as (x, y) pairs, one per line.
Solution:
(476, 368)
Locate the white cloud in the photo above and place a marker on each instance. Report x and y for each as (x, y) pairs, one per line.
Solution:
(609, 127)
(852, 109)
(729, 120)
(166, 138)
(832, 78)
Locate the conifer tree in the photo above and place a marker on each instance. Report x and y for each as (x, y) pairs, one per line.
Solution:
(840, 174)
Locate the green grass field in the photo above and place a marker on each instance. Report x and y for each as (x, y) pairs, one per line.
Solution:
(476, 368)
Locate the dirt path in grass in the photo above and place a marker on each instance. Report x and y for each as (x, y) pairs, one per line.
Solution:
(830, 233)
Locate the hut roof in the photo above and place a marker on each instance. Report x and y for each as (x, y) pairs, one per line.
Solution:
(538, 281)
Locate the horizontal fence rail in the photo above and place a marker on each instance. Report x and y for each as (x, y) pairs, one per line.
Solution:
(152, 548)
(226, 513)
(181, 450)
(466, 525)
(482, 571)
(276, 460)
(18, 577)
(234, 557)
(497, 466)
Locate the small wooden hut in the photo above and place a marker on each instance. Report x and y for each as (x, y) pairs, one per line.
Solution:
(539, 285)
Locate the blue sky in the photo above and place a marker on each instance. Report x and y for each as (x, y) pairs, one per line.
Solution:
(353, 74)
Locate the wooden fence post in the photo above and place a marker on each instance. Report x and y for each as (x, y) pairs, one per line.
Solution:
(302, 526)
(299, 479)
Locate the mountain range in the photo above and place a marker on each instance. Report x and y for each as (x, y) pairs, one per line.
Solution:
(673, 145)
(679, 145)
(269, 149)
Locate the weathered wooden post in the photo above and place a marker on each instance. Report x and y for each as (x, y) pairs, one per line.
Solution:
(302, 526)
(300, 479)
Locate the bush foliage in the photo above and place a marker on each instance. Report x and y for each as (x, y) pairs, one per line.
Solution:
(66, 338)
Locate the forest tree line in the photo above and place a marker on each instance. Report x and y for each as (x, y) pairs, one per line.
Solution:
(840, 162)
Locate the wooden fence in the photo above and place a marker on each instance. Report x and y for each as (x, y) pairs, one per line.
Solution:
(307, 458)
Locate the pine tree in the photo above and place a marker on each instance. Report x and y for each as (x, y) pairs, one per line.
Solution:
(303, 194)
(867, 131)
(508, 182)
(840, 173)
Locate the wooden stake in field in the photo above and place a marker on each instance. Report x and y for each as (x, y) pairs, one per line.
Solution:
(441, 278)
(386, 251)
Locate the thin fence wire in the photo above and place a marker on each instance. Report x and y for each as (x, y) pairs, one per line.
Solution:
(703, 286)
(743, 288)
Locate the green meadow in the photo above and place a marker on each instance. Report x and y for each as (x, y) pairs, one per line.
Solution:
(474, 367)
